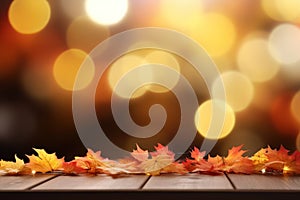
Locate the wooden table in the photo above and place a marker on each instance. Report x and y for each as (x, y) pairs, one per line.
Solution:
(169, 186)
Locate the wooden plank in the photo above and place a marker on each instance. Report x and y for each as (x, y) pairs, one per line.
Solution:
(21, 182)
(188, 182)
(261, 182)
(88, 182)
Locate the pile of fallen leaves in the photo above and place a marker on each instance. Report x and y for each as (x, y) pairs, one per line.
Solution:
(265, 161)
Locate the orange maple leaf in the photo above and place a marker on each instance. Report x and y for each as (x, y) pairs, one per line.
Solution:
(235, 162)
(44, 162)
(281, 162)
(72, 168)
(91, 163)
(140, 154)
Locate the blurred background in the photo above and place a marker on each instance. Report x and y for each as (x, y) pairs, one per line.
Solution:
(254, 43)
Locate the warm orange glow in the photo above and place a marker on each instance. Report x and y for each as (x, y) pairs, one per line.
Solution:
(29, 16)
(298, 142)
(66, 67)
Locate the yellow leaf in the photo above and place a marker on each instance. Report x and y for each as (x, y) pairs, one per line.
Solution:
(9, 167)
(44, 162)
(156, 164)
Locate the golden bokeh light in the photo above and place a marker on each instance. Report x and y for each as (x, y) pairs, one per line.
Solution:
(255, 61)
(287, 10)
(215, 32)
(29, 16)
(171, 12)
(239, 89)
(121, 67)
(167, 59)
(66, 67)
(106, 12)
(284, 43)
(84, 34)
(204, 114)
(295, 106)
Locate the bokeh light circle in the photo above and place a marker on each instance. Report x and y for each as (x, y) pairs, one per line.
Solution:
(122, 66)
(284, 43)
(29, 16)
(66, 67)
(204, 115)
(167, 59)
(106, 12)
(287, 10)
(238, 88)
(255, 61)
(216, 32)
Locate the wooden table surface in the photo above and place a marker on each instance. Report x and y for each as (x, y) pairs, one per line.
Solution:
(169, 186)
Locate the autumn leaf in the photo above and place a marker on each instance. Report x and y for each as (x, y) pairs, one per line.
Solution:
(279, 161)
(12, 168)
(259, 160)
(294, 165)
(155, 165)
(160, 160)
(91, 163)
(72, 168)
(217, 164)
(44, 162)
(197, 155)
(162, 150)
(140, 154)
(235, 162)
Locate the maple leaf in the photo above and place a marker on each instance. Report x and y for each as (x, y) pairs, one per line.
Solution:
(217, 164)
(160, 150)
(294, 165)
(197, 163)
(72, 168)
(155, 165)
(91, 163)
(175, 167)
(259, 160)
(235, 162)
(44, 162)
(279, 161)
(12, 168)
(160, 160)
(140, 154)
(197, 155)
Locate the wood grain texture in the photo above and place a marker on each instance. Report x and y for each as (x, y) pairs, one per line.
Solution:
(188, 182)
(261, 182)
(99, 182)
(21, 182)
